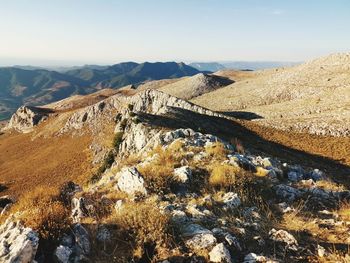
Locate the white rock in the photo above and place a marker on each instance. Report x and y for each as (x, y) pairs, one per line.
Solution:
(194, 229)
(220, 254)
(285, 238)
(183, 174)
(118, 206)
(130, 181)
(254, 258)
(231, 200)
(201, 241)
(17, 243)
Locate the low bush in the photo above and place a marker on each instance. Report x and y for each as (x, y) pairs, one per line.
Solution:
(117, 140)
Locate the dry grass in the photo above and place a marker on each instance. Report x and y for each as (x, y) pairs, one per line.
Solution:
(334, 256)
(344, 211)
(42, 210)
(148, 231)
(158, 173)
(222, 175)
(27, 163)
(217, 151)
(301, 222)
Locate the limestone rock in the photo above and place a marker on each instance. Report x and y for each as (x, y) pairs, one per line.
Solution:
(26, 117)
(287, 193)
(130, 181)
(17, 243)
(284, 238)
(231, 200)
(220, 254)
(183, 174)
(201, 241)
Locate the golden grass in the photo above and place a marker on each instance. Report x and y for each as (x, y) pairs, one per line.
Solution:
(217, 150)
(334, 256)
(222, 175)
(42, 210)
(144, 225)
(344, 211)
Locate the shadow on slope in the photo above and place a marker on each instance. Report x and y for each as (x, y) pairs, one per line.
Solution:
(243, 115)
(230, 130)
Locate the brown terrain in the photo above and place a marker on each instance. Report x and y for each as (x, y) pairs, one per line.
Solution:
(27, 163)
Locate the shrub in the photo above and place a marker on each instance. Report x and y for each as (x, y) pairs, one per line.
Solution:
(130, 107)
(123, 123)
(223, 175)
(118, 139)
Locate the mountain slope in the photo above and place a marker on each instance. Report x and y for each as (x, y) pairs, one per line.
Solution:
(311, 97)
(38, 87)
(194, 86)
(174, 182)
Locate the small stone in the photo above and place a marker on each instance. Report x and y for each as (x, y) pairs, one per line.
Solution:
(118, 206)
(220, 254)
(183, 174)
(231, 200)
(321, 251)
(62, 254)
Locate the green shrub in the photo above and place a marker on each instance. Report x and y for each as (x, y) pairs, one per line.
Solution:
(117, 140)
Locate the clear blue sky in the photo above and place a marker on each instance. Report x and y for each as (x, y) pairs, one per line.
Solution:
(66, 32)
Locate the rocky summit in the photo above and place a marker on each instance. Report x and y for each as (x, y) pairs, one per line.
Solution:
(171, 183)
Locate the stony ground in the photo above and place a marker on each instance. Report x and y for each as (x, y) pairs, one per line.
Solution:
(175, 184)
(312, 97)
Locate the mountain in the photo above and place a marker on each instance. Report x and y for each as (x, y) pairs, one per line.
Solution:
(256, 65)
(190, 87)
(311, 97)
(207, 66)
(153, 178)
(38, 86)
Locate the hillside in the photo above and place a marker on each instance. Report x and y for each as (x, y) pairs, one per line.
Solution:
(38, 87)
(149, 177)
(195, 86)
(312, 97)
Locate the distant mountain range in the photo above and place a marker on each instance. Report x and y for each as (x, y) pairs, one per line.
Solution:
(240, 65)
(36, 86)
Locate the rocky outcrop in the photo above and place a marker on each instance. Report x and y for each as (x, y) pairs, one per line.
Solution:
(26, 117)
(17, 243)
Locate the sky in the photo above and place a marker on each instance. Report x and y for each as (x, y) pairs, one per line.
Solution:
(74, 32)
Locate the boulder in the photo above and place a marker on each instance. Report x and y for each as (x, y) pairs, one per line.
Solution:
(284, 239)
(17, 243)
(220, 254)
(287, 193)
(130, 181)
(201, 241)
(193, 229)
(26, 117)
